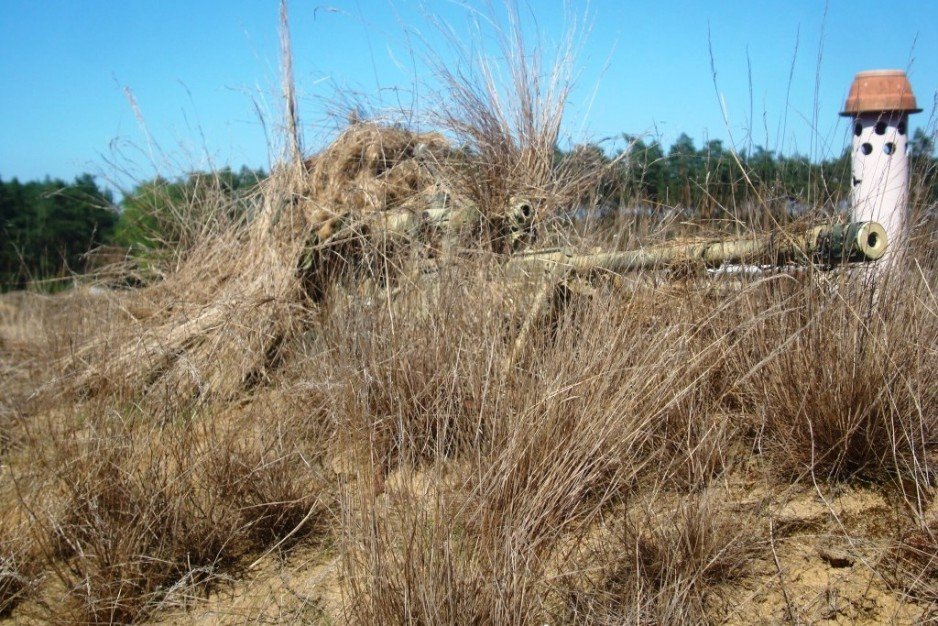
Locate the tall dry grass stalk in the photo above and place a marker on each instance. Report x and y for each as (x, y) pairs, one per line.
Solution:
(505, 112)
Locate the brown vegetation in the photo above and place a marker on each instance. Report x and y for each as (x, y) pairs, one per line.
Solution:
(668, 447)
(632, 465)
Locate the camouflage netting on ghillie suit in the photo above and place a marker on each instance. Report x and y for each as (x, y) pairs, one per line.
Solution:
(218, 323)
(376, 168)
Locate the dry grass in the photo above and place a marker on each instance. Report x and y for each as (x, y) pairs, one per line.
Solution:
(838, 379)
(664, 564)
(300, 379)
(641, 395)
(19, 560)
(133, 514)
(916, 564)
(603, 478)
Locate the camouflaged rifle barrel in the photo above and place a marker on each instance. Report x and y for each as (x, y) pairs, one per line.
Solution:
(826, 245)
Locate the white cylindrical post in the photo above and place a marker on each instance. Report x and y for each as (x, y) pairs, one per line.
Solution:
(879, 103)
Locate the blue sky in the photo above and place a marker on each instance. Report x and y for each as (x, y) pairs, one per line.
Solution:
(203, 75)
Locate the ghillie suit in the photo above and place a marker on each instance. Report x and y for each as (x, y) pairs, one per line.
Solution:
(219, 322)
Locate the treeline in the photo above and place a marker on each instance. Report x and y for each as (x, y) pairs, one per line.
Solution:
(712, 180)
(48, 228)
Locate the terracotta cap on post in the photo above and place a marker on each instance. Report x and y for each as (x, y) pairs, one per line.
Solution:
(880, 91)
